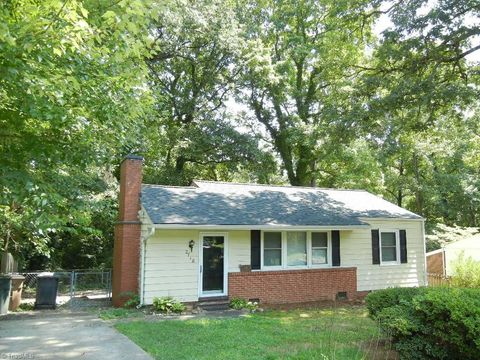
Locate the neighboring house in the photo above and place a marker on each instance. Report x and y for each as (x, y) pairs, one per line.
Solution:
(277, 244)
(440, 261)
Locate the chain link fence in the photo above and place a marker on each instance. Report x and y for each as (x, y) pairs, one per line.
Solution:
(77, 288)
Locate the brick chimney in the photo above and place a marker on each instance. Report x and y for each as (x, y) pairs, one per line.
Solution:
(126, 248)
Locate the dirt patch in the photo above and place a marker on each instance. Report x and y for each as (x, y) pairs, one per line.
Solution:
(324, 304)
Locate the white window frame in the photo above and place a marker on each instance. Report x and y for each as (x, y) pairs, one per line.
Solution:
(397, 246)
(284, 259)
(282, 251)
(329, 250)
(285, 245)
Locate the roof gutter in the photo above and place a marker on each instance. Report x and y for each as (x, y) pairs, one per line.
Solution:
(261, 227)
(366, 219)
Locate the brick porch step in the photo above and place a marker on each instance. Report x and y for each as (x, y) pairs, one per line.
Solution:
(214, 303)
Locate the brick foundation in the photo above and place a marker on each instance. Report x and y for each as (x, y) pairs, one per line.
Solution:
(293, 286)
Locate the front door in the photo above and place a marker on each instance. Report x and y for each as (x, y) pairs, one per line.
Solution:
(213, 265)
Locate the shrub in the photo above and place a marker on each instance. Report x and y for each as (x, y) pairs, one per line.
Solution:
(238, 303)
(437, 323)
(466, 272)
(380, 299)
(252, 306)
(168, 304)
(133, 300)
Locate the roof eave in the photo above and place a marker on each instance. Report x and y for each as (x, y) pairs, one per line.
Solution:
(260, 227)
(366, 219)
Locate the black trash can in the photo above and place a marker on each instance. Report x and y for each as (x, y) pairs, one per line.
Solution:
(46, 297)
(5, 286)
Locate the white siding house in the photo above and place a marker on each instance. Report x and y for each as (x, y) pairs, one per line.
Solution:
(171, 268)
(275, 244)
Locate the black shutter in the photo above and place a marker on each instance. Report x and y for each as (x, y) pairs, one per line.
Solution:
(375, 247)
(335, 248)
(255, 249)
(403, 246)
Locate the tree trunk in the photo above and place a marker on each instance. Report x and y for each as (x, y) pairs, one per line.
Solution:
(419, 201)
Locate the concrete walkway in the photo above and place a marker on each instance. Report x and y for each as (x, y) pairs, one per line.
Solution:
(63, 335)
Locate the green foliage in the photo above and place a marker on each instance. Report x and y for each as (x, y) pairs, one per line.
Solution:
(437, 323)
(440, 235)
(238, 303)
(378, 300)
(133, 300)
(465, 272)
(196, 137)
(257, 91)
(71, 76)
(419, 93)
(25, 307)
(295, 76)
(168, 304)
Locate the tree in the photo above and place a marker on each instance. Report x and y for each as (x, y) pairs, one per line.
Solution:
(297, 76)
(191, 77)
(419, 91)
(71, 76)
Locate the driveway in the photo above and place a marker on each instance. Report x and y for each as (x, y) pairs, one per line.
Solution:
(63, 335)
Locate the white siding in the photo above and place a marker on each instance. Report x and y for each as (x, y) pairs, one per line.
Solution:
(170, 268)
(356, 250)
(238, 250)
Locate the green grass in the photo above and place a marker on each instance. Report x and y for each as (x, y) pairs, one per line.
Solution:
(119, 313)
(341, 333)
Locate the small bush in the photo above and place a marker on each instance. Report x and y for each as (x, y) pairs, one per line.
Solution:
(252, 306)
(168, 304)
(133, 300)
(25, 307)
(378, 300)
(466, 272)
(437, 323)
(238, 303)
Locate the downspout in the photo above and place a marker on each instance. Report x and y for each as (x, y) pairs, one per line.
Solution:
(150, 231)
(147, 230)
(425, 276)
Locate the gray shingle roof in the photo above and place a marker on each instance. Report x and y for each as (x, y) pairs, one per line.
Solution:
(217, 203)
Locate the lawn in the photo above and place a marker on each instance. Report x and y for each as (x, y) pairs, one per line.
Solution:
(337, 333)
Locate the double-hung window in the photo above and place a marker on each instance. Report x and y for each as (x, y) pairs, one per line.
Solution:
(319, 248)
(295, 249)
(272, 249)
(389, 247)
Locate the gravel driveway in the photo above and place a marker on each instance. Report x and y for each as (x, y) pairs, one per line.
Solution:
(63, 335)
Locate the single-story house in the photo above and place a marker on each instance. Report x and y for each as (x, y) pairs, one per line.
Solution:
(275, 244)
(440, 261)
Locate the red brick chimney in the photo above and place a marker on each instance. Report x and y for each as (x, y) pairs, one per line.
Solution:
(126, 248)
